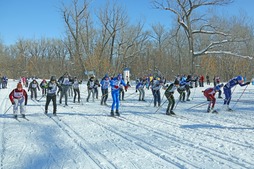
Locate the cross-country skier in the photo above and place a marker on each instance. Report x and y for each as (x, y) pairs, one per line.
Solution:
(209, 93)
(43, 86)
(18, 97)
(33, 86)
(140, 87)
(65, 84)
(76, 90)
(169, 93)
(181, 90)
(90, 88)
(156, 86)
(227, 89)
(104, 89)
(52, 87)
(115, 87)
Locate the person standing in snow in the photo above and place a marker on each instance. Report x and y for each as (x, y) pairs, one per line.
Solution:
(140, 87)
(96, 86)
(209, 93)
(227, 89)
(33, 86)
(156, 86)
(104, 89)
(169, 93)
(115, 87)
(43, 86)
(52, 87)
(90, 88)
(76, 90)
(18, 97)
(65, 84)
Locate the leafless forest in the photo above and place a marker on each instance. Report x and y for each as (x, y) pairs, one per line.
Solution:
(198, 42)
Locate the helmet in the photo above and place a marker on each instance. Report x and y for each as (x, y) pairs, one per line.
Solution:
(176, 82)
(120, 76)
(239, 78)
(53, 78)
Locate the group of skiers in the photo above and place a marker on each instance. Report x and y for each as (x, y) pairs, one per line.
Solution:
(66, 83)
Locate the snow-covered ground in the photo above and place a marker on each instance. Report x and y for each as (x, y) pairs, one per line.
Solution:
(85, 137)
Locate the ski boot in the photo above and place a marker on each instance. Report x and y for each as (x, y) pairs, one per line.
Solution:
(46, 112)
(117, 113)
(214, 111)
(23, 115)
(15, 116)
(208, 110)
(167, 113)
(172, 113)
(112, 113)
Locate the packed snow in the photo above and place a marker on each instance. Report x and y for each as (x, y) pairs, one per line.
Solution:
(84, 136)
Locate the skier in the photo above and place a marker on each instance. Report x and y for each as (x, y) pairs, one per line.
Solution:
(121, 92)
(18, 97)
(227, 89)
(104, 89)
(115, 87)
(33, 86)
(65, 84)
(43, 86)
(188, 86)
(96, 85)
(76, 90)
(90, 88)
(181, 90)
(156, 86)
(169, 93)
(140, 87)
(52, 87)
(209, 93)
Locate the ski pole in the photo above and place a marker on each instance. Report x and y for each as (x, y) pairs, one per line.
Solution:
(7, 109)
(198, 105)
(177, 103)
(240, 96)
(160, 106)
(193, 93)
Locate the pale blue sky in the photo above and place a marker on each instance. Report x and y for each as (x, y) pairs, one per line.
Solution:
(34, 19)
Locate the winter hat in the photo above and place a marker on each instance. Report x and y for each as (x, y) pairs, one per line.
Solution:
(120, 76)
(53, 78)
(106, 76)
(239, 78)
(19, 85)
(176, 82)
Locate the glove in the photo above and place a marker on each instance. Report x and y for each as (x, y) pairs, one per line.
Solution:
(116, 86)
(126, 87)
(247, 83)
(25, 103)
(13, 103)
(136, 91)
(49, 88)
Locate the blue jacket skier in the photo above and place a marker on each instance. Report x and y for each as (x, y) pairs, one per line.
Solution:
(115, 88)
(227, 89)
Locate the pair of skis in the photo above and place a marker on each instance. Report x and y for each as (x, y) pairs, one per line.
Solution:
(18, 119)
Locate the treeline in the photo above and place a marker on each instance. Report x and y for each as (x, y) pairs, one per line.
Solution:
(114, 43)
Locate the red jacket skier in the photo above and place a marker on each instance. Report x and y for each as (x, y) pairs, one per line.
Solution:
(18, 97)
(209, 93)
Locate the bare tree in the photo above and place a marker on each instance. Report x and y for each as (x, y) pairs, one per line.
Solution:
(76, 18)
(196, 25)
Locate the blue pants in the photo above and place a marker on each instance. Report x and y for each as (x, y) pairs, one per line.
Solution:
(228, 94)
(115, 97)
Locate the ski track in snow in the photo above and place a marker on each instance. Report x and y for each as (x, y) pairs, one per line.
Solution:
(84, 136)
